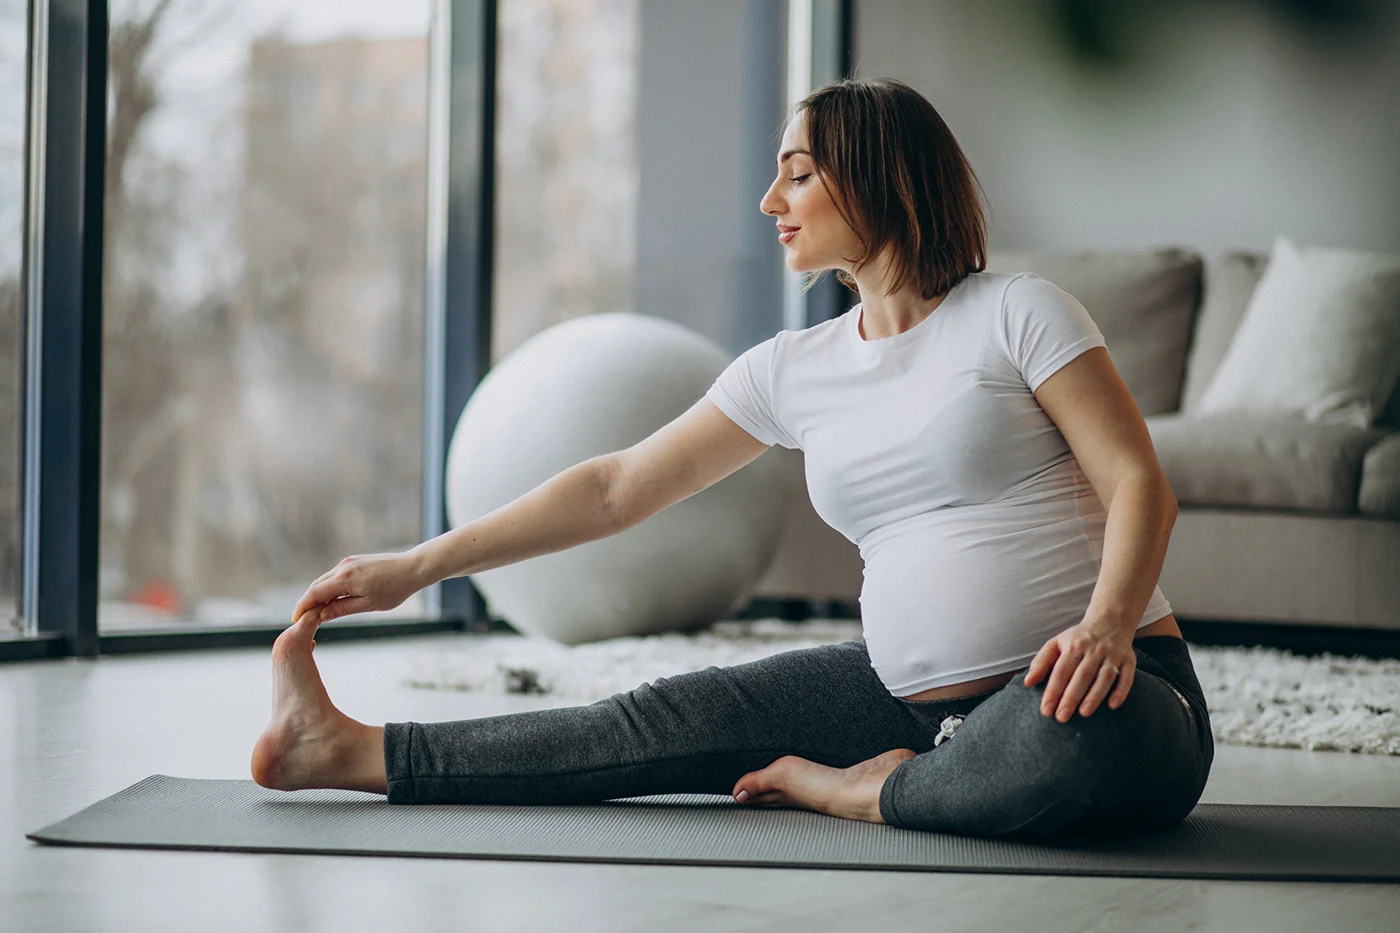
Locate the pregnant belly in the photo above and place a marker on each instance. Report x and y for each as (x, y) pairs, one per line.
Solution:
(950, 606)
(1163, 626)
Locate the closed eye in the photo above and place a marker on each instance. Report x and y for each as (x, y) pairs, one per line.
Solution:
(800, 178)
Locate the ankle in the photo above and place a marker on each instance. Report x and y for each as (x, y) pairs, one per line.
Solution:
(365, 762)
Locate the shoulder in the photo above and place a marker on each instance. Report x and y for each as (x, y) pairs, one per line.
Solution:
(996, 297)
(1029, 286)
(809, 341)
(1027, 297)
(999, 294)
(829, 329)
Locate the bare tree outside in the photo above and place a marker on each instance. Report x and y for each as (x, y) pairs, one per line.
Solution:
(566, 178)
(265, 253)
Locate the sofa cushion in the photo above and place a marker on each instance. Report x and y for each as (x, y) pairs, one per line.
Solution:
(1320, 339)
(1253, 461)
(1380, 479)
(1143, 302)
(1229, 281)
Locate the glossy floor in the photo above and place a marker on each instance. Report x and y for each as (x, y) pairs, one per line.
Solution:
(76, 731)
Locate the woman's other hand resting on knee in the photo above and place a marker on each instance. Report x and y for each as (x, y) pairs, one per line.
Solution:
(1083, 662)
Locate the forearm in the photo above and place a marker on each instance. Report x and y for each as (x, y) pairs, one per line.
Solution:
(571, 508)
(1138, 528)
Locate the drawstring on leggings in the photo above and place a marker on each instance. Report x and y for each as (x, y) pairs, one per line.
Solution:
(946, 729)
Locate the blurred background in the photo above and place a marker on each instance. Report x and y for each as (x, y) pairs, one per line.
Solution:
(266, 215)
(1211, 124)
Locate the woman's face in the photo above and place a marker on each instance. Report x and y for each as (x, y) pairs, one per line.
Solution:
(809, 227)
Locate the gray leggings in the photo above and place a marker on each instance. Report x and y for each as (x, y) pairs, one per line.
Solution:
(1005, 769)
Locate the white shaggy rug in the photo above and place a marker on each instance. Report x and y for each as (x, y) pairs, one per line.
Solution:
(1257, 696)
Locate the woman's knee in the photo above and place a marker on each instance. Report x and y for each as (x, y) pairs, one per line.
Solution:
(1086, 755)
(1010, 770)
(1139, 758)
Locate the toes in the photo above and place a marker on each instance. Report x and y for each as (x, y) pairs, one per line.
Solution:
(764, 780)
(296, 636)
(747, 787)
(309, 622)
(765, 798)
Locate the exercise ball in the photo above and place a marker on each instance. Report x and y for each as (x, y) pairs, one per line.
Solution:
(590, 386)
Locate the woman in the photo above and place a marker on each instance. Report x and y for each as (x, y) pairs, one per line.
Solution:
(968, 431)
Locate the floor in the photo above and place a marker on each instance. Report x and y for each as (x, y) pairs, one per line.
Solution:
(76, 731)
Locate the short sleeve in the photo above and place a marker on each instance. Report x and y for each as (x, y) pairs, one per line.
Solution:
(744, 392)
(1044, 327)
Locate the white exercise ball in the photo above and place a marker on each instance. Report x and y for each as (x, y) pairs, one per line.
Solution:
(590, 386)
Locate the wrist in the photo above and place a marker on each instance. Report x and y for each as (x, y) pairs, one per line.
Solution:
(423, 565)
(1109, 621)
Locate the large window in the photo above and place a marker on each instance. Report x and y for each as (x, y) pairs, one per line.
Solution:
(264, 302)
(14, 31)
(264, 262)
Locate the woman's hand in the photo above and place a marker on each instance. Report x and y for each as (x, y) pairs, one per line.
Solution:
(361, 583)
(1087, 658)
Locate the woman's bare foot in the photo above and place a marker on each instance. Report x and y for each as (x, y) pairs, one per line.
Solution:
(310, 743)
(851, 793)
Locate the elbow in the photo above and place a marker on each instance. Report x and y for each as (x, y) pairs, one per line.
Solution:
(614, 498)
(1153, 494)
(1170, 507)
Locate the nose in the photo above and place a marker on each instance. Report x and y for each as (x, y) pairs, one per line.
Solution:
(771, 203)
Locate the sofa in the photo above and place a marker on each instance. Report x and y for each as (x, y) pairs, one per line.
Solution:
(1281, 520)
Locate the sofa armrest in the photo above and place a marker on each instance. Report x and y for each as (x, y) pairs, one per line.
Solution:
(1380, 479)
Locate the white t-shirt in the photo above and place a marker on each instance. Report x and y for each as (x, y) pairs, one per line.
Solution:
(981, 535)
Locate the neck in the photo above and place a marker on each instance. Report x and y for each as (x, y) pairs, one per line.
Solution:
(886, 314)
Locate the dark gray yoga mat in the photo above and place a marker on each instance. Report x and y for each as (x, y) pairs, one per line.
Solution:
(1235, 841)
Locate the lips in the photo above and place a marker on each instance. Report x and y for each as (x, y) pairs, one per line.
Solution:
(786, 233)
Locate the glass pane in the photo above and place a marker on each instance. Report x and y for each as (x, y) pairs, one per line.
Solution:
(14, 33)
(566, 167)
(264, 289)
(633, 144)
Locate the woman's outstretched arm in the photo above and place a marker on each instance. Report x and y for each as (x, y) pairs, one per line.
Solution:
(573, 507)
(599, 497)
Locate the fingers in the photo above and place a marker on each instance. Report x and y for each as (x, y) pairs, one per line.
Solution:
(344, 607)
(326, 587)
(1088, 671)
(311, 599)
(1042, 662)
(1090, 680)
(1059, 680)
(308, 603)
(1126, 674)
(1102, 683)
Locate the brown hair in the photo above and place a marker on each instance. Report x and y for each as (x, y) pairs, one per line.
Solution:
(899, 179)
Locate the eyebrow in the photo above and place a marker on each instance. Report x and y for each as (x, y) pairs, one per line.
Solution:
(790, 153)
